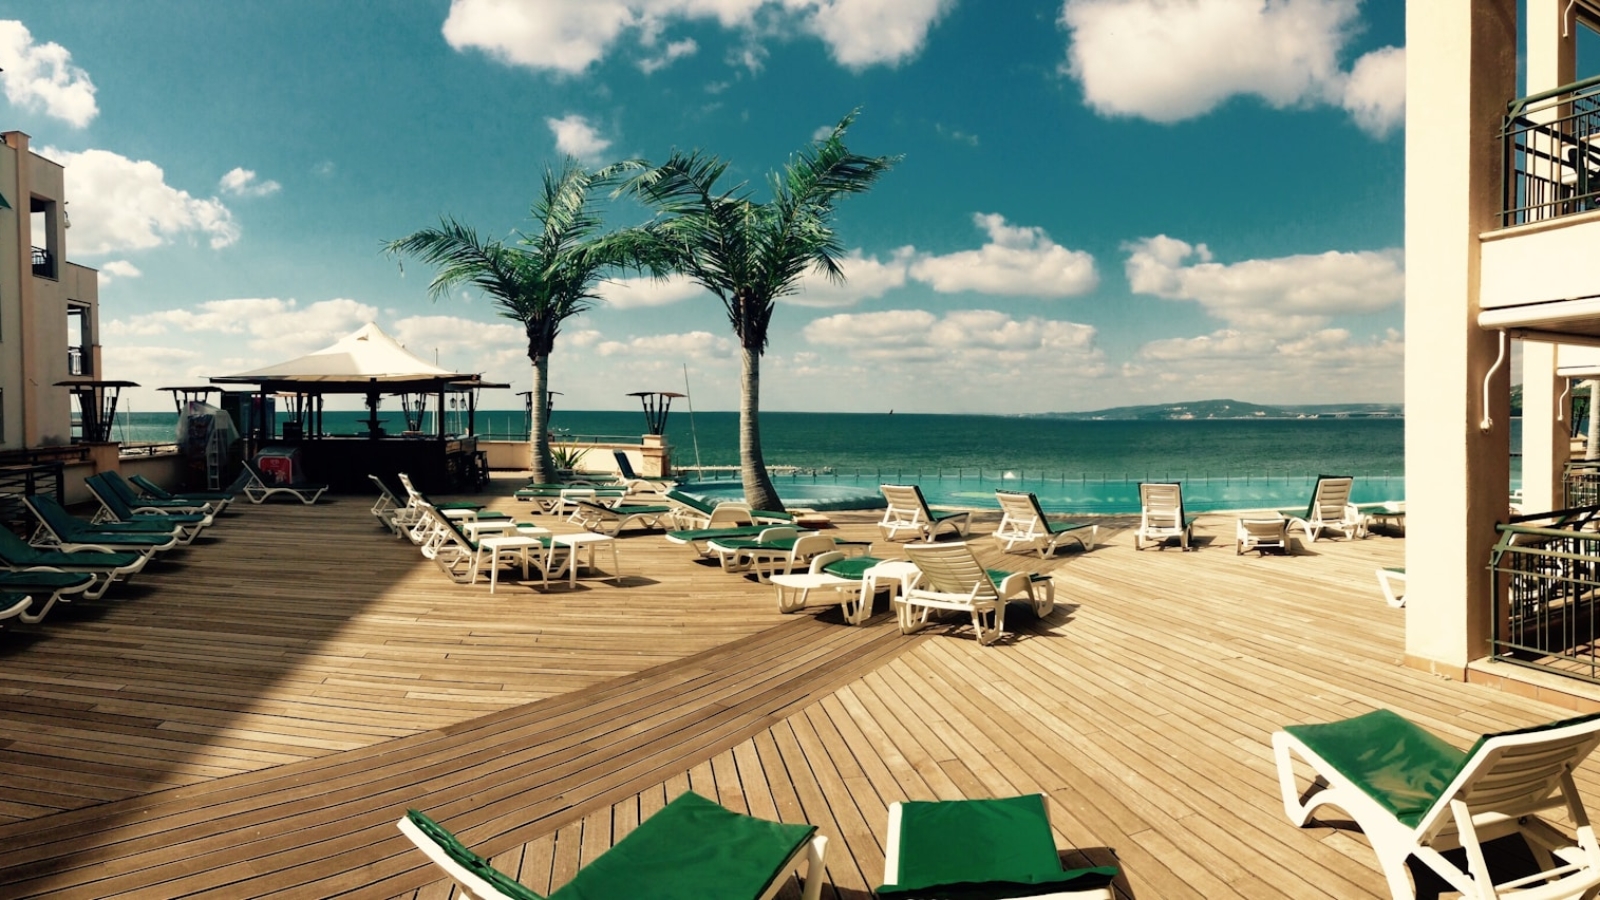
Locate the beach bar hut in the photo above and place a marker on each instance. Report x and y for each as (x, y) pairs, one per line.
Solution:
(371, 364)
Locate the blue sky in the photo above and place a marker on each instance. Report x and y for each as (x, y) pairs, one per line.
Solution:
(1101, 202)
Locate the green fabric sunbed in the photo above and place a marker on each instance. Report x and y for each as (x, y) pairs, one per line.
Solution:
(1413, 794)
(979, 849)
(692, 849)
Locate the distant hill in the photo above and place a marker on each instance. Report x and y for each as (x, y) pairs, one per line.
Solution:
(1236, 409)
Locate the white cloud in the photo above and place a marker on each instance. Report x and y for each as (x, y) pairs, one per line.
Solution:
(42, 78)
(669, 55)
(1321, 365)
(1169, 60)
(673, 348)
(243, 183)
(866, 278)
(637, 293)
(1017, 261)
(276, 329)
(120, 204)
(861, 33)
(117, 268)
(1284, 295)
(576, 137)
(568, 36)
(1375, 92)
(963, 340)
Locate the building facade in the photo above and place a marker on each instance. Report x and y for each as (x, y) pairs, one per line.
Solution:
(49, 308)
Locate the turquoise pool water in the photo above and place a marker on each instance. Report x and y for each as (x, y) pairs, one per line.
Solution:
(1106, 497)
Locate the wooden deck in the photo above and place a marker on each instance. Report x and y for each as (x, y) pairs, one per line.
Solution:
(253, 716)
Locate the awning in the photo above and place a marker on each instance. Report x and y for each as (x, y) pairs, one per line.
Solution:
(1575, 321)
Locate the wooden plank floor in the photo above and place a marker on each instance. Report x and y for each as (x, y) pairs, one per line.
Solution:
(252, 719)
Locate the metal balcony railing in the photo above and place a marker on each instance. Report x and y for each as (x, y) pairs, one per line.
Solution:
(78, 361)
(44, 263)
(1546, 592)
(1551, 143)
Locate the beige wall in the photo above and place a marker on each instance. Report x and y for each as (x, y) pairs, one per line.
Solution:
(1460, 72)
(11, 380)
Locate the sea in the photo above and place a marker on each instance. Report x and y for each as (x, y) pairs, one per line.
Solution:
(1072, 465)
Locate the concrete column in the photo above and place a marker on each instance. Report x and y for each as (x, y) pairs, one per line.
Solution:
(1545, 442)
(657, 457)
(1461, 63)
(1545, 445)
(29, 395)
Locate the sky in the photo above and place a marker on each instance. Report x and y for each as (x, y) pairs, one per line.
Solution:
(1098, 202)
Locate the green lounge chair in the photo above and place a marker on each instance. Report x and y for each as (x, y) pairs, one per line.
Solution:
(776, 550)
(257, 487)
(1412, 794)
(1330, 509)
(611, 520)
(636, 483)
(115, 509)
(908, 511)
(218, 500)
(844, 576)
(106, 567)
(1023, 521)
(46, 587)
(981, 848)
(422, 530)
(1161, 516)
(953, 580)
(693, 849)
(114, 482)
(68, 532)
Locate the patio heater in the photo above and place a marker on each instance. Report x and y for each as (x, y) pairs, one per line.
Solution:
(183, 396)
(656, 405)
(97, 407)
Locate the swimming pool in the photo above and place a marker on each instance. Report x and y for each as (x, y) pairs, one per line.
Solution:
(1083, 495)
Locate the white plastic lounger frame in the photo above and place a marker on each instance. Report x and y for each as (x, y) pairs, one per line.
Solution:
(1161, 515)
(258, 490)
(387, 509)
(1023, 521)
(474, 887)
(1504, 784)
(1261, 533)
(908, 512)
(953, 579)
(609, 520)
(1330, 509)
(1388, 579)
(778, 551)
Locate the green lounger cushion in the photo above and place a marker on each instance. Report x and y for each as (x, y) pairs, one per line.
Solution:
(626, 510)
(13, 604)
(999, 575)
(749, 544)
(983, 848)
(692, 849)
(47, 581)
(711, 534)
(1401, 766)
(1063, 527)
(851, 567)
(470, 861)
(694, 503)
(16, 552)
(775, 515)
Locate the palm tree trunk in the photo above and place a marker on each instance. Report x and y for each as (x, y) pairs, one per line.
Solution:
(758, 489)
(544, 470)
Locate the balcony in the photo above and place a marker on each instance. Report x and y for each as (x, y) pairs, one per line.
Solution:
(79, 361)
(44, 263)
(1551, 142)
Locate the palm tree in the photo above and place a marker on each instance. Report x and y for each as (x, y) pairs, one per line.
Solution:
(540, 281)
(749, 254)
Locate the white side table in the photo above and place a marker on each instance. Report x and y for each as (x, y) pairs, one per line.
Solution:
(898, 575)
(476, 528)
(575, 544)
(517, 544)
